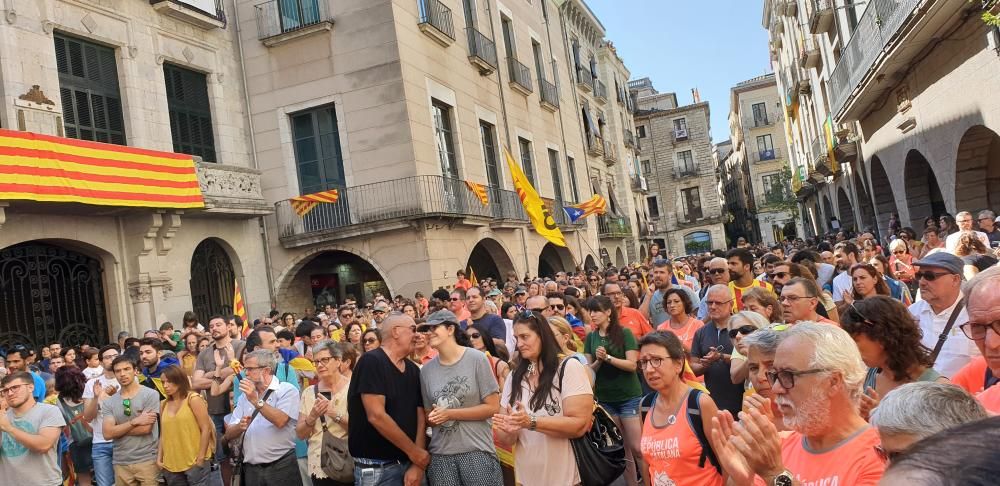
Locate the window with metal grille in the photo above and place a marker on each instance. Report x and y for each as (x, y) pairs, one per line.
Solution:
(444, 135)
(190, 115)
(526, 164)
(88, 86)
(318, 157)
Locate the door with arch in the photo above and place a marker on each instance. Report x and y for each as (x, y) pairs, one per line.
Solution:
(212, 280)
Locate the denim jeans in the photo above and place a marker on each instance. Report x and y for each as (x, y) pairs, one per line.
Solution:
(104, 472)
(380, 476)
(219, 421)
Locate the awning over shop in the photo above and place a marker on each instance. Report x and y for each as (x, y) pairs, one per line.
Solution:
(38, 167)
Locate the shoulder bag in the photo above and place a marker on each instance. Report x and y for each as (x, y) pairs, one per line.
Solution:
(237, 448)
(600, 452)
(334, 456)
(947, 329)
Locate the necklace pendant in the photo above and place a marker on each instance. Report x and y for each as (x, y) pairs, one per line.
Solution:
(671, 420)
(531, 369)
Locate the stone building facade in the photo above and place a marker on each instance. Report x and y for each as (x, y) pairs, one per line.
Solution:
(113, 71)
(678, 161)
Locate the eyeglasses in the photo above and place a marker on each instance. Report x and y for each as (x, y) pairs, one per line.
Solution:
(110, 357)
(10, 390)
(779, 274)
(704, 269)
(475, 335)
(371, 341)
(899, 252)
(712, 303)
(793, 298)
(557, 306)
(886, 456)
(325, 361)
(378, 312)
(347, 316)
(455, 299)
(654, 362)
(930, 276)
(613, 294)
(977, 332)
(787, 377)
(253, 368)
(592, 279)
(744, 330)
(127, 405)
(717, 271)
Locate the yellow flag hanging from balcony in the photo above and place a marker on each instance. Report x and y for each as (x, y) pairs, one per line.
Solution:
(303, 204)
(537, 212)
(480, 191)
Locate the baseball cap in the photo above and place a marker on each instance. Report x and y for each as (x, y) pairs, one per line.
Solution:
(494, 293)
(380, 307)
(943, 260)
(443, 316)
(520, 290)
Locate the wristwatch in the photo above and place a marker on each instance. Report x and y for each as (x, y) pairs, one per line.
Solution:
(533, 423)
(260, 402)
(607, 358)
(783, 479)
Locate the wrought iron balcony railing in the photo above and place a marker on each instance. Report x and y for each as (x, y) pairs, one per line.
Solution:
(520, 76)
(436, 15)
(482, 51)
(609, 226)
(549, 94)
(276, 17)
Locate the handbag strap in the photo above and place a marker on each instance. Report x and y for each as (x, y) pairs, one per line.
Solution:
(322, 416)
(254, 415)
(947, 329)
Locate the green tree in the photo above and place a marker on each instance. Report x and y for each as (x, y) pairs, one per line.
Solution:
(991, 9)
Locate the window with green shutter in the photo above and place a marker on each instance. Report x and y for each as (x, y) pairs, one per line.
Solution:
(88, 86)
(190, 113)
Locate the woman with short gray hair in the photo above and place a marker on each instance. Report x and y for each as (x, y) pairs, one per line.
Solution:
(761, 347)
(324, 406)
(915, 411)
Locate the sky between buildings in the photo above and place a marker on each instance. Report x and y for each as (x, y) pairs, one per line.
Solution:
(683, 44)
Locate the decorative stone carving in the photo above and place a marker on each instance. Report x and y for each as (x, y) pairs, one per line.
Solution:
(903, 102)
(187, 53)
(167, 288)
(149, 237)
(36, 95)
(48, 26)
(88, 23)
(231, 189)
(139, 292)
(171, 223)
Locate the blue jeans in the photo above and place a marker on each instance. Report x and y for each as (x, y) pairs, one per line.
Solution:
(380, 476)
(104, 472)
(219, 420)
(624, 409)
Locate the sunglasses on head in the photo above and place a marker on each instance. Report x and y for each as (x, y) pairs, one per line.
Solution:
(744, 330)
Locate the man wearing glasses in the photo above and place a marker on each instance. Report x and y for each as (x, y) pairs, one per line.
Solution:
(29, 431)
(129, 421)
(987, 224)
(799, 298)
(983, 328)
(712, 348)
(96, 392)
(379, 311)
(964, 221)
(941, 311)
(816, 382)
(718, 274)
(457, 305)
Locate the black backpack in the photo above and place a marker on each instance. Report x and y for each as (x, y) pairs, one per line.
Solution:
(694, 421)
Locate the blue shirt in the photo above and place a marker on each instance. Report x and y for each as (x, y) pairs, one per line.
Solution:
(39, 393)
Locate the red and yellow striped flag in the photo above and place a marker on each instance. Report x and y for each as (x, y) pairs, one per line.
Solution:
(303, 204)
(45, 168)
(239, 309)
(480, 191)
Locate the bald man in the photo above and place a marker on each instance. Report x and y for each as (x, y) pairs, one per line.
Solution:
(718, 274)
(711, 350)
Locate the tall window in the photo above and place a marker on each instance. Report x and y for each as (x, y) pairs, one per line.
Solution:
(526, 163)
(536, 50)
(646, 169)
(445, 138)
(571, 167)
(317, 150)
(691, 199)
(487, 133)
(759, 114)
(190, 116)
(680, 125)
(765, 147)
(88, 86)
(469, 9)
(653, 204)
(557, 190)
(774, 188)
(640, 131)
(685, 162)
(508, 37)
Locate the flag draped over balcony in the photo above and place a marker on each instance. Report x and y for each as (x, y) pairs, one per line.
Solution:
(596, 205)
(45, 168)
(538, 214)
(303, 204)
(480, 191)
(239, 308)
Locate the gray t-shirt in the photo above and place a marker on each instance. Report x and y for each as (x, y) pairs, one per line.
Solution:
(461, 385)
(206, 362)
(17, 462)
(133, 449)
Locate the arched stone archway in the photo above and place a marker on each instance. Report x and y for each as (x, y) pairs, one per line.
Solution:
(330, 273)
(885, 200)
(865, 208)
(51, 292)
(827, 214)
(977, 170)
(846, 210)
(554, 259)
(923, 195)
(590, 263)
(212, 280)
(489, 259)
(620, 257)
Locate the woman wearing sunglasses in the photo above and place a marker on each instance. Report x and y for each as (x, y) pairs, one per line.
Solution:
(323, 406)
(371, 340)
(741, 324)
(901, 260)
(889, 341)
(670, 445)
(460, 395)
(480, 341)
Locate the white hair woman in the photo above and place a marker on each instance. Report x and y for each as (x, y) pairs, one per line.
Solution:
(742, 324)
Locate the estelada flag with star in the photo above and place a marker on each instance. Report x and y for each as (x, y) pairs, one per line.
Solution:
(538, 213)
(596, 205)
(303, 204)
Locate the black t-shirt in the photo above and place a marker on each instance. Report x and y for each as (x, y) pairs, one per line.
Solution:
(717, 379)
(375, 374)
(981, 262)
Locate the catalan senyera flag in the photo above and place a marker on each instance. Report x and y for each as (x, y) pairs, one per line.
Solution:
(472, 277)
(39, 167)
(240, 309)
(303, 204)
(539, 215)
(480, 191)
(596, 205)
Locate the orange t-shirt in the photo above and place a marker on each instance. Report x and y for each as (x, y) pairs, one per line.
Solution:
(853, 462)
(634, 320)
(686, 333)
(464, 284)
(672, 453)
(972, 376)
(990, 399)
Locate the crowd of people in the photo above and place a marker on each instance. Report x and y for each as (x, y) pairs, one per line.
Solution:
(851, 361)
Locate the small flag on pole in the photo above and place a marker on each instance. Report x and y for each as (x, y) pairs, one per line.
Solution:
(596, 205)
(472, 277)
(303, 204)
(480, 191)
(239, 309)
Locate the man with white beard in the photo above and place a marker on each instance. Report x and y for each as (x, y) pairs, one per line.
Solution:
(816, 381)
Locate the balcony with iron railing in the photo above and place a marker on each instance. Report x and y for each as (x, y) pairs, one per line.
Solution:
(639, 184)
(820, 16)
(548, 95)
(595, 145)
(680, 134)
(685, 172)
(482, 51)
(764, 156)
(762, 120)
(600, 91)
(878, 26)
(205, 14)
(809, 56)
(821, 156)
(584, 80)
(610, 153)
(279, 21)
(436, 22)
(520, 76)
(610, 226)
(628, 138)
(392, 204)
